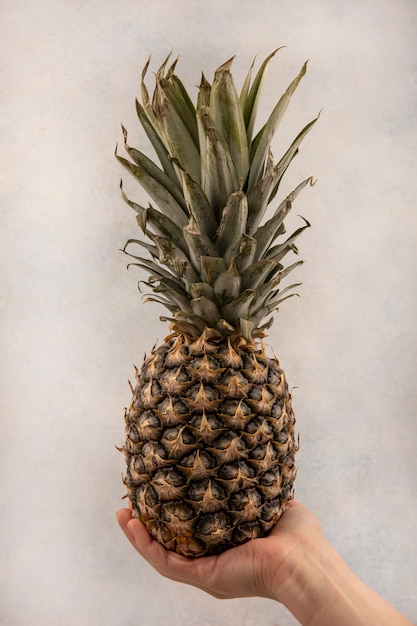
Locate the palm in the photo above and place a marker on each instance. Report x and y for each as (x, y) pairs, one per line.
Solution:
(247, 570)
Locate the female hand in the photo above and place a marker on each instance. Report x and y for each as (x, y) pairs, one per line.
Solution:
(256, 568)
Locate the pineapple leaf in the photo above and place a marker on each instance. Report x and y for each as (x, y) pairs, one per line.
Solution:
(177, 96)
(278, 252)
(180, 298)
(266, 234)
(239, 307)
(258, 197)
(246, 328)
(206, 309)
(227, 284)
(211, 268)
(272, 306)
(152, 249)
(232, 226)
(290, 154)
(264, 291)
(200, 290)
(160, 223)
(147, 107)
(204, 93)
(251, 102)
(158, 271)
(226, 112)
(158, 144)
(197, 203)
(158, 192)
(176, 134)
(154, 171)
(218, 173)
(256, 274)
(262, 142)
(171, 255)
(247, 251)
(198, 245)
(245, 90)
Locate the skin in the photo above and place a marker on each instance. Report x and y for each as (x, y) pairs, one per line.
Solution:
(294, 565)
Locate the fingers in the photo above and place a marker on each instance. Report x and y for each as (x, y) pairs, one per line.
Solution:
(123, 517)
(169, 564)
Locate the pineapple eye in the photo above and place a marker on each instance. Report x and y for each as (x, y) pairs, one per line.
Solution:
(269, 478)
(271, 509)
(257, 424)
(259, 453)
(224, 441)
(233, 471)
(198, 491)
(176, 510)
(147, 495)
(239, 501)
(173, 434)
(213, 523)
(171, 476)
(132, 433)
(199, 456)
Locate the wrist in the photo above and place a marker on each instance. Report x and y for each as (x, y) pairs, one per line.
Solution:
(301, 580)
(319, 589)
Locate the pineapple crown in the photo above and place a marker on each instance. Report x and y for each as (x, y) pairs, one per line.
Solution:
(213, 261)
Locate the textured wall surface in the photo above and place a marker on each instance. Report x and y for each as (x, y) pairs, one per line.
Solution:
(73, 323)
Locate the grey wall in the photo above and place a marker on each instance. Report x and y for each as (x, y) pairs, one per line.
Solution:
(73, 323)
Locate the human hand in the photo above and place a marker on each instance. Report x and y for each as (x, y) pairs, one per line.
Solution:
(259, 567)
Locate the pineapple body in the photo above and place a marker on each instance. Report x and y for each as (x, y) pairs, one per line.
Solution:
(210, 440)
(210, 443)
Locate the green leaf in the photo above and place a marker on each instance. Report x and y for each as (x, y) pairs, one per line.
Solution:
(211, 268)
(265, 290)
(149, 247)
(251, 102)
(198, 245)
(247, 251)
(197, 204)
(245, 89)
(206, 309)
(175, 259)
(227, 285)
(218, 173)
(227, 115)
(273, 299)
(200, 290)
(232, 226)
(159, 193)
(278, 252)
(158, 144)
(283, 164)
(258, 197)
(266, 234)
(178, 97)
(239, 307)
(256, 274)
(246, 328)
(179, 298)
(262, 141)
(160, 223)
(204, 93)
(154, 171)
(177, 136)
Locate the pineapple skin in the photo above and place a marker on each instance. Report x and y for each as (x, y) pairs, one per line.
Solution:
(210, 443)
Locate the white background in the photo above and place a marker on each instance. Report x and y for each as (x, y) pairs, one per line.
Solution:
(73, 322)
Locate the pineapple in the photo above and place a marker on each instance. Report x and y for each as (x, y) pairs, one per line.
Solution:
(210, 431)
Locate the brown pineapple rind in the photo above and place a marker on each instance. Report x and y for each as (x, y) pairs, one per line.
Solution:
(210, 443)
